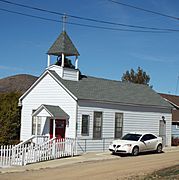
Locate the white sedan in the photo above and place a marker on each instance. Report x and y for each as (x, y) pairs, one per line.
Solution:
(134, 143)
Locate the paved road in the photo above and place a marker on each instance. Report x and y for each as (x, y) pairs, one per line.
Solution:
(109, 169)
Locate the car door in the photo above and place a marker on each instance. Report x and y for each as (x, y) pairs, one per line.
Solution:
(149, 142)
(144, 145)
(152, 142)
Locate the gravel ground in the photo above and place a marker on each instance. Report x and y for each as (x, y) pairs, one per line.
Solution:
(118, 168)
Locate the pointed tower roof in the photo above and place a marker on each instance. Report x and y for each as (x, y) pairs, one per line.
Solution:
(64, 45)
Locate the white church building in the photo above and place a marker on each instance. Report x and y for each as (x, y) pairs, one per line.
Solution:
(63, 103)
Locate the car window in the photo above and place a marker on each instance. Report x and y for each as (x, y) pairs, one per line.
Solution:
(151, 136)
(144, 138)
(147, 137)
(131, 137)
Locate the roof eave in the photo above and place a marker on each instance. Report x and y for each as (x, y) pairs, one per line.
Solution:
(60, 53)
(126, 104)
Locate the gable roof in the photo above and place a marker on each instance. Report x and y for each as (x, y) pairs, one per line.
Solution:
(98, 89)
(54, 111)
(173, 99)
(175, 115)
(63, 44)
(36, 82)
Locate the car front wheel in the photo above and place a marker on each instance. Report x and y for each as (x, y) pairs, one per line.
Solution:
(159, 148)
(135, 151)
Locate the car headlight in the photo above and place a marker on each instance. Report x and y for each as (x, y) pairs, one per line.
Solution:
(128, 145)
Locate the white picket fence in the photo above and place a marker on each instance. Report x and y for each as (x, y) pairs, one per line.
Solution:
(26, 153)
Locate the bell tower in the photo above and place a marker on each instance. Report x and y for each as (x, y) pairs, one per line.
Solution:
(63, 48)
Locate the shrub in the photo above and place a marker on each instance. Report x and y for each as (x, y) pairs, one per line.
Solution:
(9, 118)
(175, 141)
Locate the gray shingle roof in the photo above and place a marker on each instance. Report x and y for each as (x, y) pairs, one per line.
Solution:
(63, 44)
(56, 111)
(98, 89)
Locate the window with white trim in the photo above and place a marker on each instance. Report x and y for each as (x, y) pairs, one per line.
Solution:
(118, 125)
(36, 125)
(97, 125)
(85, 125)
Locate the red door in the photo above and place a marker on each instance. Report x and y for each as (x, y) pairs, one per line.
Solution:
(60, 125)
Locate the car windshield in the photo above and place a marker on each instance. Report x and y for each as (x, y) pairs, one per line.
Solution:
(131, 137)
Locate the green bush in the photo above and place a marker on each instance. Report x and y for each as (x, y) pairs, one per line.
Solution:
(9, 118)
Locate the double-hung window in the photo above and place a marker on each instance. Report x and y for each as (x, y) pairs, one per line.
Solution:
(118, 125)
(36, 125)
(85, 125)
(97, 125)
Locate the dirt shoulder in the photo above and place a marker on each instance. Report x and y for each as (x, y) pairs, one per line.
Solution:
(171, 173)
(113, 169)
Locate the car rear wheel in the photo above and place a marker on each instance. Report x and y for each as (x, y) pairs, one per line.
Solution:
(159, 148)
(135, 151)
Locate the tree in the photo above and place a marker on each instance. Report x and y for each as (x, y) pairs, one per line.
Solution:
(139, 77)
(9, 118)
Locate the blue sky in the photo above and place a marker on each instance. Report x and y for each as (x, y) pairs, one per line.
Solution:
(24, 41)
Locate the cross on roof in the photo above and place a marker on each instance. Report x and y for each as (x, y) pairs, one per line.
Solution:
(64, 19)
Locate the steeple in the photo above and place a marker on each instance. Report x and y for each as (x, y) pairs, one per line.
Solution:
(63, 47)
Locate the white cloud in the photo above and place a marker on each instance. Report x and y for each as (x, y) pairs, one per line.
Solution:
(151, 58)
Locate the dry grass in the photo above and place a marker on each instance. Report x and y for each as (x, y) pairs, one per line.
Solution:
(170, 173)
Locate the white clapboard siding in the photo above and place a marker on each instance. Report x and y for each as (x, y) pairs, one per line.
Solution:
(70, 74)
(57, 69)
(168, 118)
(49, 92)
(66, 73)
(147, 121)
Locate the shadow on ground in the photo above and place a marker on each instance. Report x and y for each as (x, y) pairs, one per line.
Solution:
(140, 154)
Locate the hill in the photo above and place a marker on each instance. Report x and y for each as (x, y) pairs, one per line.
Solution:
(20, 83)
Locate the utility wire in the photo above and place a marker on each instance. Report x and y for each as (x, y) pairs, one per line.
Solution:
(89, 19)
(79, 24)
(146, 10)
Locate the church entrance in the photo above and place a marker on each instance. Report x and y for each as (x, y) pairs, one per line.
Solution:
(60, 127)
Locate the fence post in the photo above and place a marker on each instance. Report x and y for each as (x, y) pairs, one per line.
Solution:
(23, 157)
(85, 145)
(53, 149)
(1, 152)
(76, 149)
(10, 155)
(103, 144)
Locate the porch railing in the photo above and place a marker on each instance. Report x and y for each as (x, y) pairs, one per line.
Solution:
(35, 139)
(26, 153)
(91, 145)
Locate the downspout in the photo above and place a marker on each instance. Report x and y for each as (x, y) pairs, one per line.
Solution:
(53, 127)
(76, 128)
(36, 126)
(20, 109)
